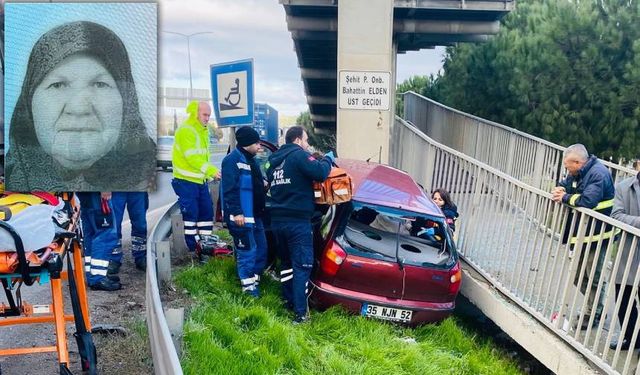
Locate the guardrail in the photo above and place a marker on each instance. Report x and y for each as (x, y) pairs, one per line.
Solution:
(512, 234)
(165, 357)
(530, 159)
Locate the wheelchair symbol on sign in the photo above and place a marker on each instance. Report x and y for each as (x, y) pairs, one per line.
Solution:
(233, 98)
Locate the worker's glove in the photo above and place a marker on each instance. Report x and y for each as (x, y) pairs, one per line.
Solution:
(329, 155)
(426, 231)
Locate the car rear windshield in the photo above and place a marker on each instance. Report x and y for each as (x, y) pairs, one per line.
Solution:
(396, 235)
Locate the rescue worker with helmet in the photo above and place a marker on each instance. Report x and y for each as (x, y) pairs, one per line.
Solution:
(291, 172)
(242, 195)
(191, 172)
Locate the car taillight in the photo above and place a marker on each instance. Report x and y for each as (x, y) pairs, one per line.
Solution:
(455, 276)
(332, 258)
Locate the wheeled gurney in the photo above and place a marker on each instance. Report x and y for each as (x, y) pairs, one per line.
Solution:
(24, 267)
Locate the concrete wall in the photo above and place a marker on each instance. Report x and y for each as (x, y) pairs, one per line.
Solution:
(365, 47)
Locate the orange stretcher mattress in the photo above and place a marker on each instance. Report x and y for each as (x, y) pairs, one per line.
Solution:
(9, 260)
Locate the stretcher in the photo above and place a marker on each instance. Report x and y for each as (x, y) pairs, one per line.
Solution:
(24, 267)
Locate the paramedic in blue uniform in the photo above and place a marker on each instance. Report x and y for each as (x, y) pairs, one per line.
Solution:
(291, 172)
(100, 238)
(136, 204)
(243, 199)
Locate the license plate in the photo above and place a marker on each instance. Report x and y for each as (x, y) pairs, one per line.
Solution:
(386, 313)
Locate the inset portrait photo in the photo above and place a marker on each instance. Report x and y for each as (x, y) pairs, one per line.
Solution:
(80, 96)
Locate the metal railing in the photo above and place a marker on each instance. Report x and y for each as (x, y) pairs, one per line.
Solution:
(165, 357)
(514, 235)
(530, 159)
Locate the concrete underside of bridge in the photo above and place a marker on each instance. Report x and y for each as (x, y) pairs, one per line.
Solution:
(335, 39)
(533, 336)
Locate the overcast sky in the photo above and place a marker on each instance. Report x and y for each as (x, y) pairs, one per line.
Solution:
(248, 29)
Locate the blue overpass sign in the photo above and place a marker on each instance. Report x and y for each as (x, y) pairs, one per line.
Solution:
(232, 92)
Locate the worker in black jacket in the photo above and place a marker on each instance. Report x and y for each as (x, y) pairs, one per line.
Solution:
(291, 172)
(243, 197)
(589, 184)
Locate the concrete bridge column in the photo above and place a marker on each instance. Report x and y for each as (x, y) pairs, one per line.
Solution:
(366, 79)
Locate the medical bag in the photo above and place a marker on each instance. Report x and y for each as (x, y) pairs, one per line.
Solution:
(337, 188)
(212, 246)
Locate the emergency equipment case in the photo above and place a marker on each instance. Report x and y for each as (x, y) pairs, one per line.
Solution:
(336, 189)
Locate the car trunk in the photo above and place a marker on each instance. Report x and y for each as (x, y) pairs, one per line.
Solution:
(426, 284)
(427, 265)
(366, 275)
(396, 254)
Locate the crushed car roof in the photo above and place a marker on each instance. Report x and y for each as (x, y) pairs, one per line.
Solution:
(387, 186)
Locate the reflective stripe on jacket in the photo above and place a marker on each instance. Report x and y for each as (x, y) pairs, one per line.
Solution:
(591, 188)
(604, 207)
(190, 156)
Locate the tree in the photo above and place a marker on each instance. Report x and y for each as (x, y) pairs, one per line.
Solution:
(320, 142)
(565, 71)
(422, 85)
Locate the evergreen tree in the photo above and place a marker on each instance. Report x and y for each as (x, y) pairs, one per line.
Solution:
(566, 71)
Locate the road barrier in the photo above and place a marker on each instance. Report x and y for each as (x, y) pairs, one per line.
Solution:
(165, 356)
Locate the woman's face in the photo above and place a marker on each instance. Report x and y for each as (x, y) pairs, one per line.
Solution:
(77, 112)
(438, 199)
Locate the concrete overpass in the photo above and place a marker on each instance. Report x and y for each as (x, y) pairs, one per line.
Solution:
(331, 36)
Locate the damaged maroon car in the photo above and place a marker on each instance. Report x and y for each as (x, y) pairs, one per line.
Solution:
(389, 253)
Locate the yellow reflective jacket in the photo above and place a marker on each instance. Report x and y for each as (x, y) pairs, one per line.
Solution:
(190, 155)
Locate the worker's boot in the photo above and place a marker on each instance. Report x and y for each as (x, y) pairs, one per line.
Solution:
(107, 285)
(112, 271)
(197, 258)
(139, 252)
(113, 268)
(141, 263)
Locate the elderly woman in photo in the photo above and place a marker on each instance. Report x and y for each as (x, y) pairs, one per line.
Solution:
(76, 125)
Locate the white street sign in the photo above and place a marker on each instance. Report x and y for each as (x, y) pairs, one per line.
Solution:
(364, 90)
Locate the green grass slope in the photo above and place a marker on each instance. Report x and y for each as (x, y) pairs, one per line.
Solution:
(230, 333)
